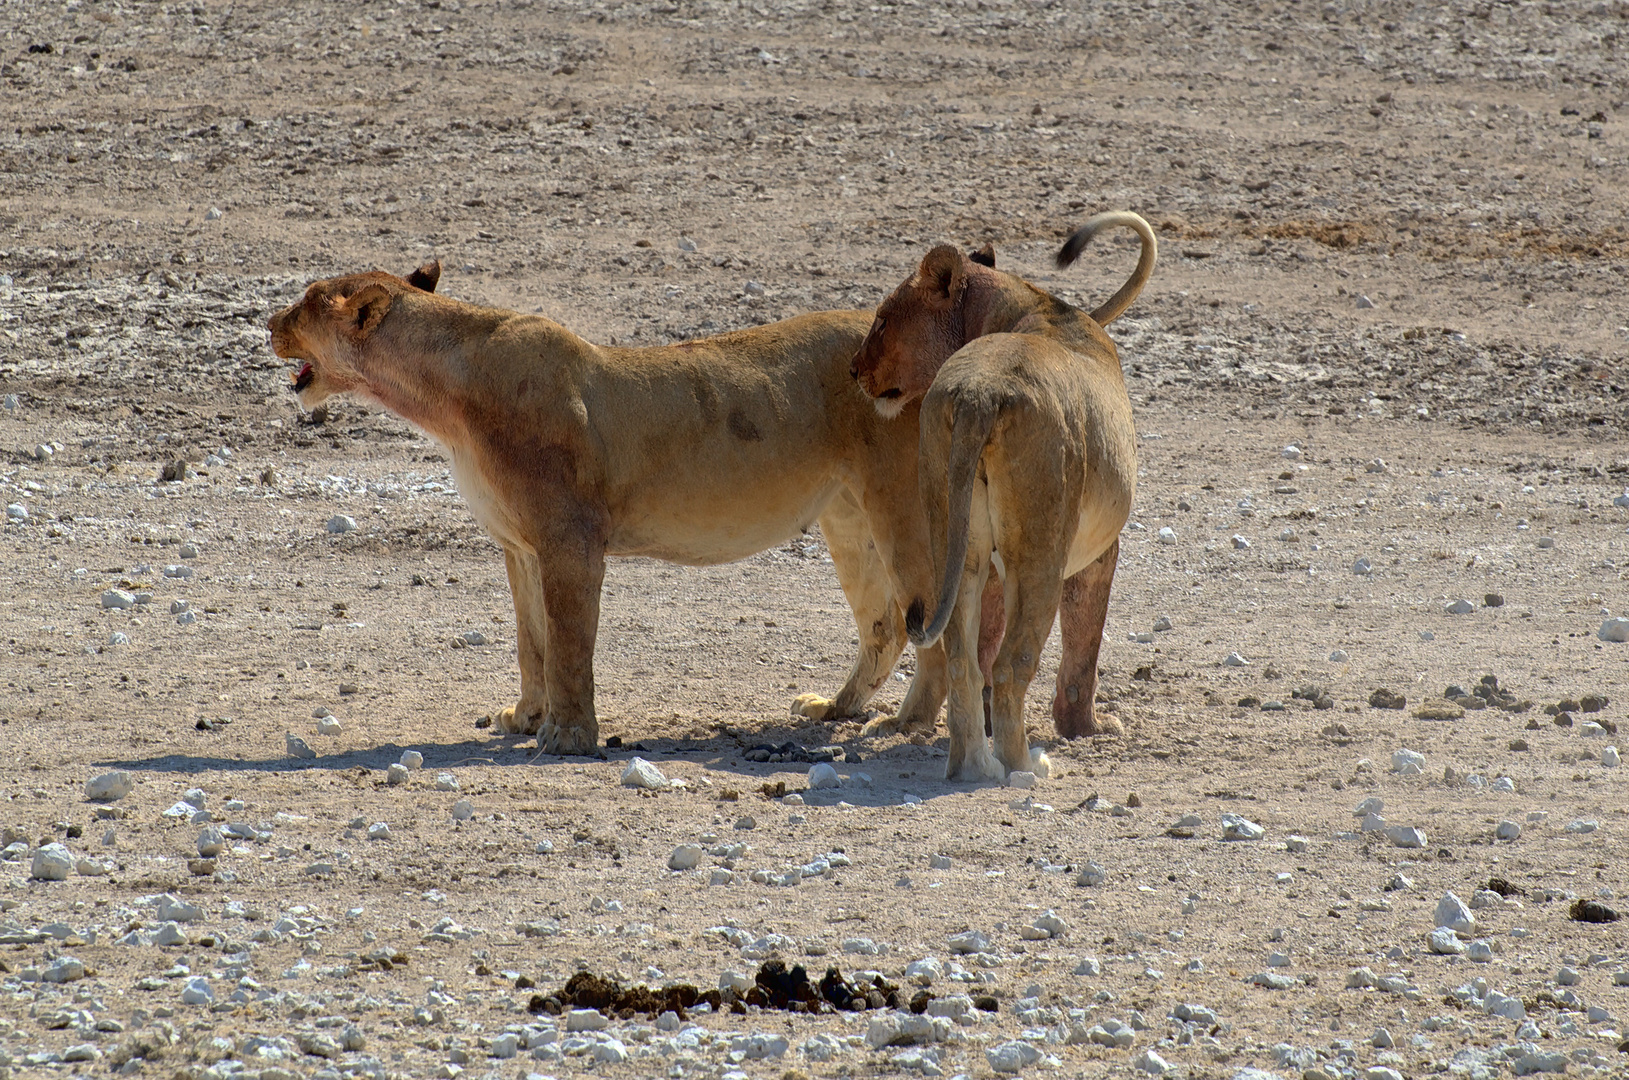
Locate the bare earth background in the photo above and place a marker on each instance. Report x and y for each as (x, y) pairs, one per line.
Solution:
(1390, 231)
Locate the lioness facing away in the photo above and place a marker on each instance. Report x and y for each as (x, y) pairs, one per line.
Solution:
(1027, 451)
(700, 453)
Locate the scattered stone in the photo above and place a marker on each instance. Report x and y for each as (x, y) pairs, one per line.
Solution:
(1508, 830)
(340, 523)
(463, 810)
(109, 787)
(686, 857)
(1609, 757)
(1012, 1057)
(1235, 660)
(211, 842)
(1439, 710)
(328, 726)
(411, 760)
(1240, 543)
(396, 773)
(298, 747)
(642, 774)
(445, 781)
(823, 776)
(1235, 827)
(52, 862)
(1461, 607)
(1167, 535)
(1614, 629)
(197, 992)
(1452, 913)
(1406, 836)
(379, 830)
(1092, 874)
(118, 599)
(1407, 762)
(1444, 942)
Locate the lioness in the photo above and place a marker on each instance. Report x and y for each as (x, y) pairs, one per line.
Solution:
(1027, 450)
(700, 453)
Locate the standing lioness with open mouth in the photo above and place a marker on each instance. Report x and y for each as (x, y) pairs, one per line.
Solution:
(700, 453)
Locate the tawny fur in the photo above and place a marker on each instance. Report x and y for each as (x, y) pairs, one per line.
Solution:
(1028, 458)
(698, 453)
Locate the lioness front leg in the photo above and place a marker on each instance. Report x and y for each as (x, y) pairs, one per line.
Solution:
(573, 569)
(531, 642)
(1081, 614)
(878, 623)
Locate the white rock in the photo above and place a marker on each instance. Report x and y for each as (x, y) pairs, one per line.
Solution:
(1461, 607)
(445, 781)
(211, 843)
(197, 992)
(1452, 913)
(1614, 629)
(89, 868)
(53, 862)
(213, 214)
(118, 638)
(1240, 543)
(1508, 830)
(169, 933)
(16, 512)
(475, 637)
(1092, 874)
(1372, 823)
(1020, 778)
(1235, 660)
(118, 599)
(1546, 542)
(923, 972)
(109, 786)
(396, 773)
(1235, 827)
(1339, 656)
(1609, 757)
(1089, 966)
(1362, 566)
(1407, 762)
(1012, 1057)
(65, 969)
(340, 523)
(298, 747)
(379, 830)
(412, 760)
(685, 857)
(1406, 836)
(1149, 1062)
(758, 1046)
(1374, 804)
(1378, 465)
(968, 942)
(1167, 535)
(1294, 844)
(823, 776)
(721, 876)
(1581, 826)
(174, 909)
(642, 774)
(1291, 453)
(735, 981)
(463, 810)
(329, 726)
(1479, 952)
(939, 862)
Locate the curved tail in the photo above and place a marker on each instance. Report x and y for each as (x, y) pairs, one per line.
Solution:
(970, 431)
(1115, 305)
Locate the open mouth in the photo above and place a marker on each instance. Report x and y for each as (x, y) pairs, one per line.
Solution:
(303, 379)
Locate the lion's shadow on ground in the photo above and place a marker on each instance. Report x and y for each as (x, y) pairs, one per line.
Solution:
(896, 776)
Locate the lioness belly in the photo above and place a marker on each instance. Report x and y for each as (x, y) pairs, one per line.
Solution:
(705, 531)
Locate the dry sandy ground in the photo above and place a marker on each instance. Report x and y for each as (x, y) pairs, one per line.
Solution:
(1391, 231)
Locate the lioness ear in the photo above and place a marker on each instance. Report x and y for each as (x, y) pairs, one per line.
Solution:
(426, 276)
(984, 256)
(942, 272)
(366, 308)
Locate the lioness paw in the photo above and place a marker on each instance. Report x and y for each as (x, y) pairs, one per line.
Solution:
(511, 722)
(815, 707)
(976, 765)
(554, 739)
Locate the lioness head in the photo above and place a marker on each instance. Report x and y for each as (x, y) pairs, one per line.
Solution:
(917, 328)
(327, 326)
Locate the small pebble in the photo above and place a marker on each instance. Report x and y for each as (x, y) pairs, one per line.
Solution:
(396, 773)
(340, 523)
(118, 599)
(379, 830)
(1614, 629)
(685, 857)
(1362, 566)
(1339, 656)
(1609, 757)
(463, 810)
(412, 760)
(1167, 535)
(109, 786)
(1461, 607)
(1240, 543)
(1235, 660)
(298, 747)
(1235, 827)
(444, 781)
(329, 726)
(1508, 830)
(211, 842)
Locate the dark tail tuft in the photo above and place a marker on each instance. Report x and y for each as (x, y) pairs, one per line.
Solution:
(915, 618)
(1072, 248)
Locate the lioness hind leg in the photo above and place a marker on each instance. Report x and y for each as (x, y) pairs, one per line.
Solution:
(919, 713)
(878, 623)
(531, 642)
(1081, 614)
(970, 757)
(1032, 592)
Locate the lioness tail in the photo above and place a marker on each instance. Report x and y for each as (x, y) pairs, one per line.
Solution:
(1116, 305)
(971, 425)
